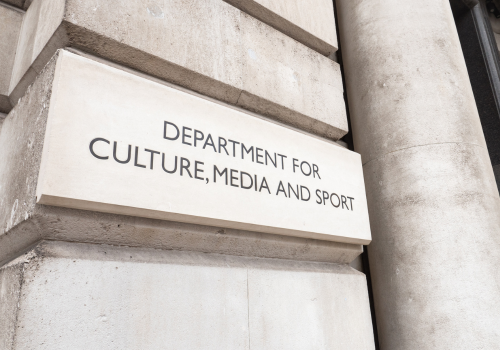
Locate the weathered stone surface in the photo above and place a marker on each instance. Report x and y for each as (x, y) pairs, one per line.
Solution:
(309, 22)
(21, 143)
(23, 223)
(446, 265)
(35, 46)
(393, 113)
(10, 25)
(211, 47)
(10, 292)
(98, 296)
(432, 195)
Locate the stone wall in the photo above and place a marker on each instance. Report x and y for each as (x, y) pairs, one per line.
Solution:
(75, 278)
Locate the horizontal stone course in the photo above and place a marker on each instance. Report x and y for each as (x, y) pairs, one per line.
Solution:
(310, 22)
(208, 46)
(106, 297)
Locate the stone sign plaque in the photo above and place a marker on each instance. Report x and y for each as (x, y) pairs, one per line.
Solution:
(124, 144)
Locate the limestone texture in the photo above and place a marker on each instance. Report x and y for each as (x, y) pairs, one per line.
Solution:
(211, 47)
(310, 22)
(10, 27)
(105, 297)
(431, 190)
(10, 292)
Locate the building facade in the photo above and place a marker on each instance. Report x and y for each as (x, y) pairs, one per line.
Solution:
(249, 174)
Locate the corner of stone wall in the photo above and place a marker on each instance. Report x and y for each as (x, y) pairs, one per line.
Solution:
(21, 143)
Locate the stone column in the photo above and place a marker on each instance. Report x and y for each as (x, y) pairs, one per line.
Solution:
(434, 206)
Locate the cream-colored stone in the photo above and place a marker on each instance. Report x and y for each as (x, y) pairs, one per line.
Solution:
(394, 81)
(431, 192)
(240, 180)
(10, 25)
(21, 144)
(117, 298)
(23, 223)
(288, 81)
(10, 291)
(434, 210)
(105, 297)
(309, 22)
(299, 308)
(40, 23)
(211, 47)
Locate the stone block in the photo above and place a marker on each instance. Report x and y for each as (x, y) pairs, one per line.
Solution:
(310, 22)
(315, 303)
(23, 222)
(73, 176)
(10, 26)
(211, 47)
(10, 292)
(21, 143)
(96, 296)
(38, 41)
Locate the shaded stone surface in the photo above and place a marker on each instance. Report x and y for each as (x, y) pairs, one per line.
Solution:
(100, 296)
